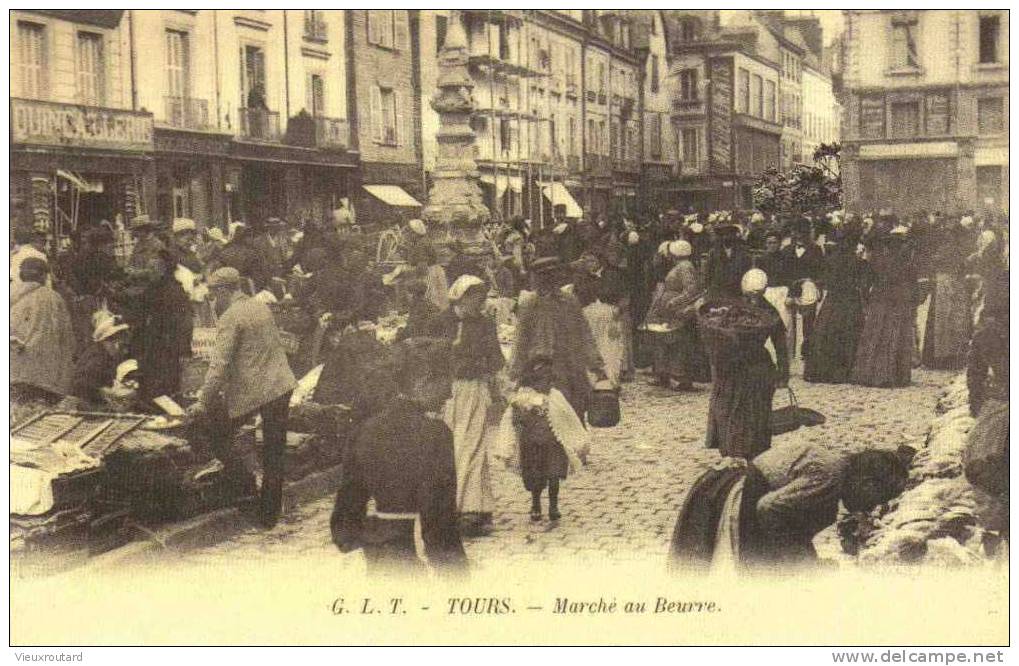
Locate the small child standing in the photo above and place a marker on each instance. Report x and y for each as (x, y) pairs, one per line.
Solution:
(542, 436)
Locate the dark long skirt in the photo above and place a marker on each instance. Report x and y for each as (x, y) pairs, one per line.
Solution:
(884, 355)
(541, 455)
(832, 349)
(739, 414)
(679, 356)
(946, 338)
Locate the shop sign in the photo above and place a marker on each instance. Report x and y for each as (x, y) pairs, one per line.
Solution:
(53, 124)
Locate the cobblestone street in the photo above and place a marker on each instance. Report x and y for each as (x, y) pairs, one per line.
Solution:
(622, 506)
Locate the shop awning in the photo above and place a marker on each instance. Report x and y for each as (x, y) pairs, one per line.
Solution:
(79, 182)
(503, 182)
(393, 195)
(558, 195)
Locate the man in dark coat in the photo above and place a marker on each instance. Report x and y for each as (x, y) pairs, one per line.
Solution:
(403, 459)
(726, 263)
(163, 339)
(802, 260)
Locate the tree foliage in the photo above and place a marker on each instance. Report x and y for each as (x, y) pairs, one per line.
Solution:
(811, 190)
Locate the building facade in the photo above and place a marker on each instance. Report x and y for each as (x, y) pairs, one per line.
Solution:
(725, 113)
(215, 115)
(822, 113)
(558, 120)
(660, 168)
(927, 114)
(386, 107)
(80, 147)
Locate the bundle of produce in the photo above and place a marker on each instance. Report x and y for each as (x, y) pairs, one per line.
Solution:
(936, 509)
(942, 455)
(148, 472)
(735, 322)
(330, 421)
(956, 395)
(356, 374)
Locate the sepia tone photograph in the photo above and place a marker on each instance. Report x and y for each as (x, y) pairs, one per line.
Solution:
(509, 327)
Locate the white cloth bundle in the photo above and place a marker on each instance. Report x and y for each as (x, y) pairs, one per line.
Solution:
(567, 428)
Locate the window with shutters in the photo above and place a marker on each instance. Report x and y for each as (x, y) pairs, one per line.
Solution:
(90, 69)
(603, 142)
(32, 56)
(614, 139)
(385, 116)
(769, 101)
(178, 63)
(688, 85)
(389, 29)
(504, 41)
(316, 95)
(571, 145)
(601, 78)
(505, 135)
(654, 73)
(743, 92)
(990, 115)
(315, 25)
(905, 119)
(253, 83)
(689, 136)
(757, 96)
(990, 27)
(655, 135)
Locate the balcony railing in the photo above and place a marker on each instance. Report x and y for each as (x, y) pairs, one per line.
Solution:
(627, 165)
(260, 124)
(332, 132)
(688, 106)
(315, 28)
(187, 113)
(659, 171)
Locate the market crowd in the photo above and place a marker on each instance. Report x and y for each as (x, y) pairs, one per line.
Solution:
(513, 348)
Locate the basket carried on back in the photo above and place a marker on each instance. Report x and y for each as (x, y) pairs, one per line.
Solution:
(732, 323)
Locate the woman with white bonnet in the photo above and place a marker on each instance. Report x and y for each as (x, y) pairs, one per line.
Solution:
(672, 319)
(745, 378)
(472, 413)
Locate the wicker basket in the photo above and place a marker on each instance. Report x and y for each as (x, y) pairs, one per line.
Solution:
(745, 333)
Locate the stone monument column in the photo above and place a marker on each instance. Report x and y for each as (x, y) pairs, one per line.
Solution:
(455, 202)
